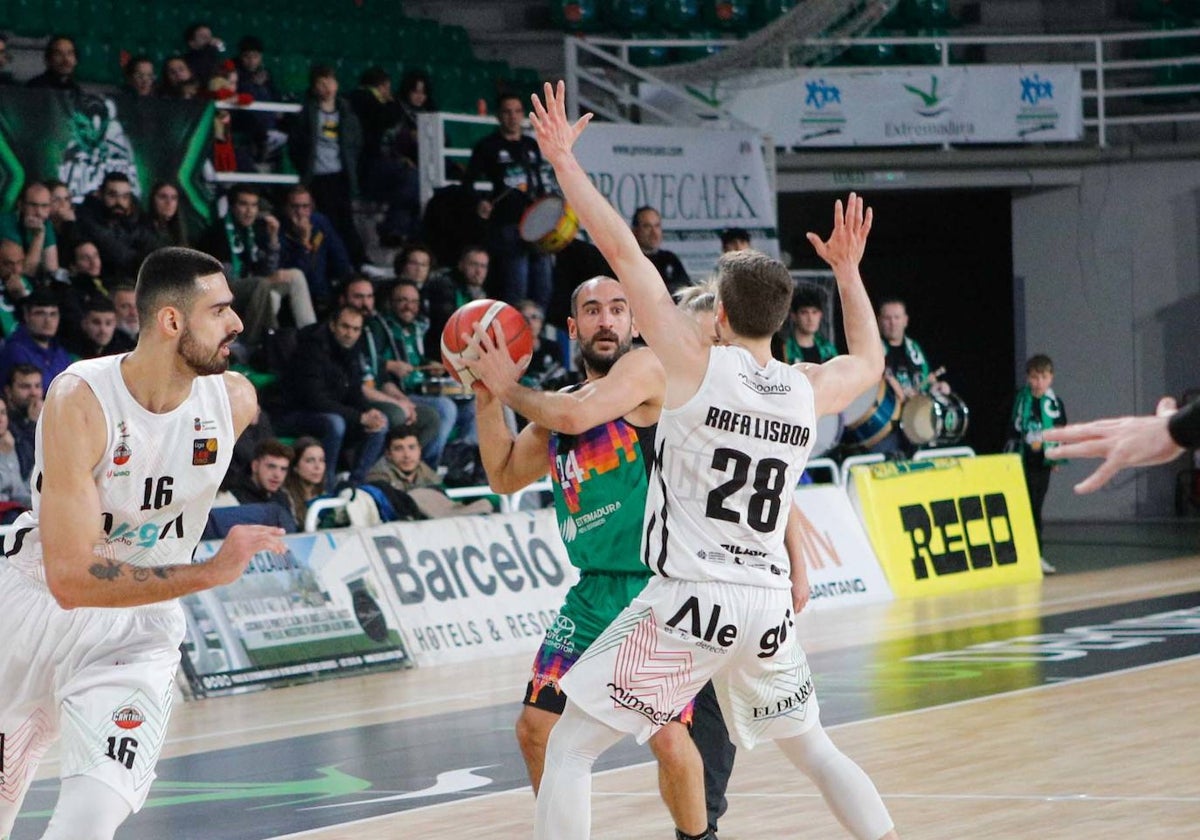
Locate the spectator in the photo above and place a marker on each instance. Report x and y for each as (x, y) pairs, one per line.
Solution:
(447, 292)
(545, 371)
(6, 76)
(803, 341)
(402, 469)
(264, 484)
(735, 239)
(164, 223)
(647, 229)
(324, 389)
(30, 226)
(511, 162)
(110, 219)
(227, 154)
(60, 59)
(36, 342)
(178, 81)
(16, 287)
(62, 217)
(386, 171)
(124, 298)
(98, 334)
(23, 395)
(246, 240)
(433, 419)
(245, 448)
(15, 495)
(311, 245)
(325, 148)
(87, 271)
(203, 51)
(451, 222)
(1036, 408)
(414, 263)
(139, 76)
(305, 481)
(262, 127)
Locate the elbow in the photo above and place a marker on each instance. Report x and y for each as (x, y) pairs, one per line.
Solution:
(65, 589)
(570, 421)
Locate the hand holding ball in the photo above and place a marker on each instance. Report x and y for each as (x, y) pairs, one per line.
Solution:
(488, 314)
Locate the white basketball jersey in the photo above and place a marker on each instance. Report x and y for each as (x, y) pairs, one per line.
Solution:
(157, 478)
(727, 464)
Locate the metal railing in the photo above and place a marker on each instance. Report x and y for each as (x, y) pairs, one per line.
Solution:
(1119, 88)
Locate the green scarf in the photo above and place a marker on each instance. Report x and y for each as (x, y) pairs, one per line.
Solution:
(792, 352)
(1031, 416)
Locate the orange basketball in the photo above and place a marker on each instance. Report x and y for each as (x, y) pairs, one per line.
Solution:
(485, 312)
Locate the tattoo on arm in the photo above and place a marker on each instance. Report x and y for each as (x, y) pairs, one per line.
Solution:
(108, 570)
(142, 574)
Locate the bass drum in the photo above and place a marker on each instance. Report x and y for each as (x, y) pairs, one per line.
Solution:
(871, 417)
(549, 224)
(922, 419)
(955, 419)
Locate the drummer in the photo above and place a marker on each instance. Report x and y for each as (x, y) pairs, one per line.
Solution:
(905, 367)
(648, 231)
(803, 341)
(511, 162)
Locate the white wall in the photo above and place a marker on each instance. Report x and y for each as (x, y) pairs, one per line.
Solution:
(1111, 275)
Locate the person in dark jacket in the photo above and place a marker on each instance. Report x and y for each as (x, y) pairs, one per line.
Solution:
(386, 171)
(110, 219)
(324, 388)
(325, 148)
(61, 59)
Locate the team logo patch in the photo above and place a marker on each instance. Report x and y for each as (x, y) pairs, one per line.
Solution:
(204, 452)
(122, 453)
(203, 425)
(128, 717)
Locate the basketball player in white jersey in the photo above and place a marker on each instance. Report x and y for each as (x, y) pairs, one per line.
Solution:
(130, 450)
(735, 432)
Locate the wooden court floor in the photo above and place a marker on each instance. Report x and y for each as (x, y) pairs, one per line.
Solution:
(1116, 755)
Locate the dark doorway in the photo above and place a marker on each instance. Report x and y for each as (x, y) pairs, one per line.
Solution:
(948, 254)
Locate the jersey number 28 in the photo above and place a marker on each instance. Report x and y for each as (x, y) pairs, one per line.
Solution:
(770, 481)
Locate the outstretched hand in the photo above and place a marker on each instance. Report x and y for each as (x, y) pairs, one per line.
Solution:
(555, 134)
(1122, 442)
(845, 246)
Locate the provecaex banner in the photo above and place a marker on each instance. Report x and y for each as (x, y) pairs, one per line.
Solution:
(903, 106)
(471, 587)
(701, 181)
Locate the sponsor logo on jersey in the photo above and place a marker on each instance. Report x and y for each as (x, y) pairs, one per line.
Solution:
(748, 552)
(767, 388)
(203, 425)
(624, 697)
(204, 452)
(117, 473)
(122, 453)
(794, 702)
(128, 717)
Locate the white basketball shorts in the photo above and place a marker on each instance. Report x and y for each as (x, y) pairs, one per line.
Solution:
(99, 679)
(678, 634)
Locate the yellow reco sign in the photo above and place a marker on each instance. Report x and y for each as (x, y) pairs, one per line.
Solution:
(949, 524)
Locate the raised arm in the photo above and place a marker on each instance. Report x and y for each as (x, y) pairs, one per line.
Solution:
(671, 334)
(838, 381)
(73, 440)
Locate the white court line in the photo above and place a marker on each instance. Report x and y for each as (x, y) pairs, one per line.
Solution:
(1042, 798)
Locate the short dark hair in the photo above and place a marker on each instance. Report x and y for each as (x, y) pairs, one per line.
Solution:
(755, 290)
(403, 282)
(99, 303)
(1040, 363)
(407, 251)
(54, 39)
(730, 235)
(168, 278)
(131, 64)
(251, 43)
(193, 28)
(274, 448)
(506, 95)
(22, 369)
(887, 300)
(807, 296)
(397, 432)
(242, 189)
(320, 71)
(633, 220)
(336, 314)
(114, 176)
(374, 76)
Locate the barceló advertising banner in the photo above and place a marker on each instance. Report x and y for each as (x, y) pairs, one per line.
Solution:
(310, 612)
(702, 181)
(471, 587)
(948, 524)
